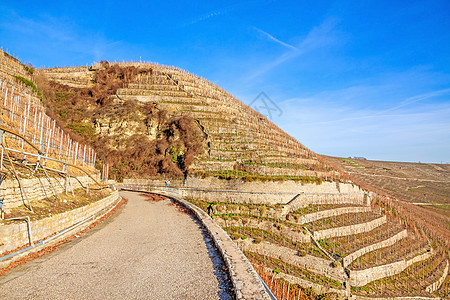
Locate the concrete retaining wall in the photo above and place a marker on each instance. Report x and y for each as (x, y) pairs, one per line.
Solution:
(15, 235)
(35, 189)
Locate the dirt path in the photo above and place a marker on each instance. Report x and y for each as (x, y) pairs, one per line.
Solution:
(151, 250)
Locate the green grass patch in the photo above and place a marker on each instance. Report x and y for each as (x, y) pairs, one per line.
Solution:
(248, 177)
(352, 162)
(28, 83)
(82, 129)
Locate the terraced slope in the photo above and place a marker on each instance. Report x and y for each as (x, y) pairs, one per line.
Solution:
(422, 190)
(238, 140)
(336, 244)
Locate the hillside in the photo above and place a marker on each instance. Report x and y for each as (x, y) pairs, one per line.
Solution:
(424, 183)
(116, 105)
(422, 189)
(307, 226)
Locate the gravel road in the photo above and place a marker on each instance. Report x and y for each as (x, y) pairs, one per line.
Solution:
(149, 251)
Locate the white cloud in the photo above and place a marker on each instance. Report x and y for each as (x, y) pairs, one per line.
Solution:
(226, 10)
(274, 39)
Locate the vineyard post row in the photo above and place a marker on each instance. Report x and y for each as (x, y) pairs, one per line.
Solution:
(32, 122)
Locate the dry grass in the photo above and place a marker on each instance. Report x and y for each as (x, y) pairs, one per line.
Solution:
(58, 204)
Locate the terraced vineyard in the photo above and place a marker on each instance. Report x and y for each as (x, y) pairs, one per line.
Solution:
(350, 246)
(422, 190)
(239, 141)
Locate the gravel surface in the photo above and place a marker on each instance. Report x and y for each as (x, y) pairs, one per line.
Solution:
(149, 251)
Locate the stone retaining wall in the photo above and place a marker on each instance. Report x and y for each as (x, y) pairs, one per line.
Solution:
(303, 200)
(236, 196)
(35, 189)
(308, 262)
(265, 225)
(317, 288)
(272, 186)
(332, 212)
(357, 297)
(13, 236)
(289, 187)
(363, 277)
(437, 284)
(386, 243)
(349, 230)
(257, 197)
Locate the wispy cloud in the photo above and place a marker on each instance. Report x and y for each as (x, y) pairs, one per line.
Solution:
(370, 114)
(421, 97)
(49, 27)
(415, 128)
(317, 37)
(226, 10)
(274, 39)
(209, 15)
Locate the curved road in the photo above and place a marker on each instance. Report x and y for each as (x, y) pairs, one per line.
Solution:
(150, 250)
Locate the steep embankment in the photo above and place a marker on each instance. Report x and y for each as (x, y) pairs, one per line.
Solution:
(136, 111)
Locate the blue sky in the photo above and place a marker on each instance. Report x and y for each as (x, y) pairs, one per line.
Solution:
(352, 78)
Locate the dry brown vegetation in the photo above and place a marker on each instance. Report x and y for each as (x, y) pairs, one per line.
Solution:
(58, 204)
(119, 130)
(153, 197)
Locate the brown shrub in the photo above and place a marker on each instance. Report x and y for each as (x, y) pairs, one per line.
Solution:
(179, 139)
